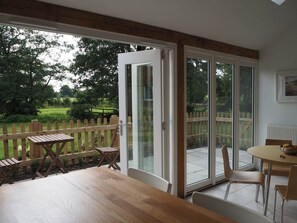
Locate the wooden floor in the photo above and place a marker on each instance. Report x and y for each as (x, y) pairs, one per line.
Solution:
(243, 194)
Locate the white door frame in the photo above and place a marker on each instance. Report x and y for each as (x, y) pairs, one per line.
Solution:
(142, 57)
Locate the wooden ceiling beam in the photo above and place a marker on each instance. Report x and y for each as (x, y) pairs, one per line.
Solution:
(60, 14)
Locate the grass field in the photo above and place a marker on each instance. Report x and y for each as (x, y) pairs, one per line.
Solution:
(53, 111)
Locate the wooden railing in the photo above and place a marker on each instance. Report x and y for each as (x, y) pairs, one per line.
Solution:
(197, 129)
(98, 133)
(87, 135)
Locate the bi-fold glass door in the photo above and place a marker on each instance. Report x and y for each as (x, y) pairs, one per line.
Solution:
(198, 152)
(219, 111)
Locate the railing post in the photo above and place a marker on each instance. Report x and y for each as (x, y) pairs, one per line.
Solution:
(35, 148)
(5, 143)
(114, 120)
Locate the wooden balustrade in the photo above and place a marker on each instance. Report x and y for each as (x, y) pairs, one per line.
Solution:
(197, 129)
(87, 136)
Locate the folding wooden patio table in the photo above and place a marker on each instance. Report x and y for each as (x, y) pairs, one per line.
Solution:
(47, 142)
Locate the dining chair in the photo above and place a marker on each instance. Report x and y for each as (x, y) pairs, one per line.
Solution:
(286, 192)
(228, 209)
(277, 169)
(150, 179)
(238, 176)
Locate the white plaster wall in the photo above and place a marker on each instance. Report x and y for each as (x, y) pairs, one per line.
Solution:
(280, 55)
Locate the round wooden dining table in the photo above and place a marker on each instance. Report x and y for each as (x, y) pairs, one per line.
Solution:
(271, 154)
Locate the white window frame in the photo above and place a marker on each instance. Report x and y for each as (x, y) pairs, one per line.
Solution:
(237, 61)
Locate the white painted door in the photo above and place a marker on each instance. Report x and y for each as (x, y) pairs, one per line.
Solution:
(140, 110)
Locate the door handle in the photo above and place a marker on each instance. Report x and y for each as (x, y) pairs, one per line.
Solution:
(121, 127)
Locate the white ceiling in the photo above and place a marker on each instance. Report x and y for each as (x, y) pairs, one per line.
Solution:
(247, 23)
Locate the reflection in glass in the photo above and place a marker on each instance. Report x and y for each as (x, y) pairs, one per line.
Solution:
(246, 115)
(197, 120)
(140, 116)
(224, 119)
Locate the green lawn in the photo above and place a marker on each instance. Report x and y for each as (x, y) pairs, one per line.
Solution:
(53, 111)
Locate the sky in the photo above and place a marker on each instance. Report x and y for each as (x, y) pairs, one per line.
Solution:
(64, 58)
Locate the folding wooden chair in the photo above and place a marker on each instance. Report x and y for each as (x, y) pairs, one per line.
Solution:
(6, 167)
(110, 154)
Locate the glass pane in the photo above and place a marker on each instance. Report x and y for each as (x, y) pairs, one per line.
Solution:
(140, 116)
(246, 115)
(197, 120)
(224, 119)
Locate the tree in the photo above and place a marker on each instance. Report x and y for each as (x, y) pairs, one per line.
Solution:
(96, 68)
(27, 65)
(67, 102)
(246, 86)
(197, 88)
(224, 86)
(66, 91)
(82, 107)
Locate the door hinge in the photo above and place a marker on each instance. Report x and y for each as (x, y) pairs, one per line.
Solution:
(162, 54)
